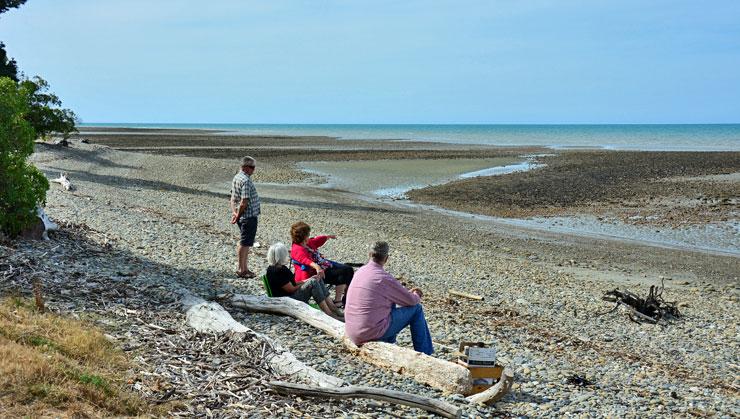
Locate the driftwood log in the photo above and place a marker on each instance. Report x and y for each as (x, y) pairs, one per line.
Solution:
(498, 391)
(438, 373)
(63, 180)
(353, 392)
(211, 317)
(650, 309)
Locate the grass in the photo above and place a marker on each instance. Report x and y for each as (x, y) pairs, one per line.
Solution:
(56, 366)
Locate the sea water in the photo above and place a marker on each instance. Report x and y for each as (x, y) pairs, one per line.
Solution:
(673, 137)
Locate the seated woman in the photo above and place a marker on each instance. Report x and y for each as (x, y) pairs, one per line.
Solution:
(309, 262)
(281, 282)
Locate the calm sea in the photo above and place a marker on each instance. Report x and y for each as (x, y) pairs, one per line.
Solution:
(708, 137)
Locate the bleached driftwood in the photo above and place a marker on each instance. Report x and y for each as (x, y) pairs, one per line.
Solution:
(63, 180)
(211, 317)
(352, 392)
(438, 373)
(495, 393)
(48, 224)
(466, 295)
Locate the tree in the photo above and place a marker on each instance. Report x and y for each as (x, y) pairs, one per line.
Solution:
(22, 186)
(6, 5)
(8, 66)
(44, 113)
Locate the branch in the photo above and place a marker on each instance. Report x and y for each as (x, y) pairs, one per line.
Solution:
(497, 392)
(352, 392)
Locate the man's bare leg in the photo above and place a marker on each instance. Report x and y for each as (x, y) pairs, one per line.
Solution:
(242, 255)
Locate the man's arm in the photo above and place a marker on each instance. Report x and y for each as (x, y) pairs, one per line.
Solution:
(235, 214)
(398, 294)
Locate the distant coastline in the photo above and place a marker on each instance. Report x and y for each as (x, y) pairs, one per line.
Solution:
(641, 137)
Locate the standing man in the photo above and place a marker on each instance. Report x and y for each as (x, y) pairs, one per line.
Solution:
(245, 208)
(379, 307)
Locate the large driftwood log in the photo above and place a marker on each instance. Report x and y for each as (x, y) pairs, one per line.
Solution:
(397, 397)
(495, 393)
(211, 317)
(438, 373)
(63, 180)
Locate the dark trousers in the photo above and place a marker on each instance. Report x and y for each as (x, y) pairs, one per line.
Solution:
(339, 274)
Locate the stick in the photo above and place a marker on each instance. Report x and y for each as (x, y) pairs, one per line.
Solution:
(497, 392)
(391, 396)
(466, 295)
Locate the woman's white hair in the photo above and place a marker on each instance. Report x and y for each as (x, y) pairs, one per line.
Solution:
(278, 255)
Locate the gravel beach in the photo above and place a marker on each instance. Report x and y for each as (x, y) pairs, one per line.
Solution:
(165, 213)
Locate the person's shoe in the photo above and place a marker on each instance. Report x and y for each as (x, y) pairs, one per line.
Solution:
(339, 304)
(246, 274)
(339, 312)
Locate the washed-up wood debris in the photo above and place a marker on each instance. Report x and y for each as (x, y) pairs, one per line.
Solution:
(650, 309)
(189, 373)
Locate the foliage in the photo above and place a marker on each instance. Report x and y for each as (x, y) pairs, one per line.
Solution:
(22, 186)
(44, 113)
(8, 66)
(6, 5)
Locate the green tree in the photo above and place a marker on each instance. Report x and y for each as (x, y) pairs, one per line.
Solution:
(8, 66)
(6, 5)
(44, 113)
(22, 186)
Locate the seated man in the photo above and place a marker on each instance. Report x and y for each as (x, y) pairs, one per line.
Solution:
(371, 312)
(281, 283)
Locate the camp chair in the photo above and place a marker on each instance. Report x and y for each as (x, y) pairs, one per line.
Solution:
(268, 291)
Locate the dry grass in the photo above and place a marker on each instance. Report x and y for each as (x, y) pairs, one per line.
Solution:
(60, 367)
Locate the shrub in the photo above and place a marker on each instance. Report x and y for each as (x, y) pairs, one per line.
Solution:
(22, 186)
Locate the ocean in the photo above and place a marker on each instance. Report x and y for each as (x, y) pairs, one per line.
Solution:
(674, 137)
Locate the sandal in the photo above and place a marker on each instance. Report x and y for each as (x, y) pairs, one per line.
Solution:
(246, 274)
(339, 304)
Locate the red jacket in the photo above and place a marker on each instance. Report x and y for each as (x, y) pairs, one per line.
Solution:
(301, 255)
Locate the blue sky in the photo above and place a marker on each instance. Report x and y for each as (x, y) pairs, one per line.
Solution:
(343, 61)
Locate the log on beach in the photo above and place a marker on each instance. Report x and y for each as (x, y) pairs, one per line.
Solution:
(435, 372)
(211, 317)
(350, 392)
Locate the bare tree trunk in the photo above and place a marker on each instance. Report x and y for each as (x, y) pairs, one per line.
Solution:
(211, 317)
(438, 373)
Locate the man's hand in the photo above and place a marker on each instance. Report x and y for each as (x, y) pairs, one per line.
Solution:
(234, 217)
(417, 291)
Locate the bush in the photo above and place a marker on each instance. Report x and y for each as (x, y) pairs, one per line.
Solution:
(22, 186)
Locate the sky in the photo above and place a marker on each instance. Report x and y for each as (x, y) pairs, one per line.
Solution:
(384, 62)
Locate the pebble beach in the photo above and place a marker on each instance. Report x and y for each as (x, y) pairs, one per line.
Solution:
(159, 202)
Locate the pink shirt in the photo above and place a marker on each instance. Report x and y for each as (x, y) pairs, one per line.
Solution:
(370, 298)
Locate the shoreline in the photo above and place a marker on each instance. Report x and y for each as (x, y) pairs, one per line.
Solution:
(634, 137)
(368, 167)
